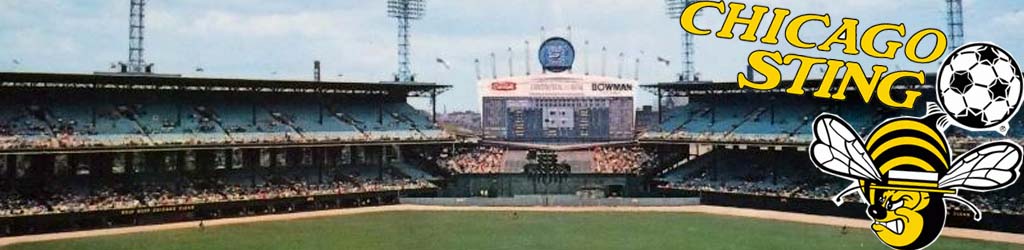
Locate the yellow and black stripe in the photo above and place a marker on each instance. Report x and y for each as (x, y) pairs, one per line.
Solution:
(911, 144)
(908, 144)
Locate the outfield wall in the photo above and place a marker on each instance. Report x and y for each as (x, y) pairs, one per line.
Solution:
(552, 200)
(49, 223)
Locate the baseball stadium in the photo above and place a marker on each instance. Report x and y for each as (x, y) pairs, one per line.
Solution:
(557, 159)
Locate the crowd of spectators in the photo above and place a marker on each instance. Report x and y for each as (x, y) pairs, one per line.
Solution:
(1000, 202)
(619, 160)
(740, 187)
(43, 141)
(479, 160)
(149, 195)
(730, 137)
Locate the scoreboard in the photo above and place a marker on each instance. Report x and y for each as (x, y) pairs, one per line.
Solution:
(557, 107)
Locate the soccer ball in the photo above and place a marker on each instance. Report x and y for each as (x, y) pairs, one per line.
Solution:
(979, 85)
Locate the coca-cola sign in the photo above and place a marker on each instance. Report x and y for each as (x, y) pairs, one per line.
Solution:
(503, 86)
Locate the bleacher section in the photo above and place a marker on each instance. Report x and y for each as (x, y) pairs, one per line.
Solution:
(754, 171)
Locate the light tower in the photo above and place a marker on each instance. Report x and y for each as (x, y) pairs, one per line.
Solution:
(586, 57)
(494, 66)
(622, 60)
(135, 37)
(476, 62)
(509, 61)
(526, 56)
(674, 8)
(604, 60)
(404, 11)
(955, 22)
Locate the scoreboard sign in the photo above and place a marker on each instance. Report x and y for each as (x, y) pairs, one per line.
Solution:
(503, 86)
(555, 85)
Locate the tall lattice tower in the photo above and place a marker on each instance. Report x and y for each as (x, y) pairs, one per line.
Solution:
(404, 11)
(674, 8)
(955, 22)
(135, 36)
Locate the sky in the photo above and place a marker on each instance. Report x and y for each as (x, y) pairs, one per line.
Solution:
(356, 41)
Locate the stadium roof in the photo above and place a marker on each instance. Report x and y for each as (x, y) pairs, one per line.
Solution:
(811, 85)
(178, 83)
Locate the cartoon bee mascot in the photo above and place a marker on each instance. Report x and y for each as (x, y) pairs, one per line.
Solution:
(904, 170)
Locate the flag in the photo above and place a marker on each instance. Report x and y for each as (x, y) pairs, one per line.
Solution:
(666, 61)
(444, 63)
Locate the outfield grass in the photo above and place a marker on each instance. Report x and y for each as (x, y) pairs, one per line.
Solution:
(501, 230)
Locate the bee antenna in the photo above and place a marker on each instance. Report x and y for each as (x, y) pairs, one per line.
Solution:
(965, 202)
(839, 198)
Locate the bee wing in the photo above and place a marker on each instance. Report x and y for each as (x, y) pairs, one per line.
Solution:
(839, 151)
(987, 167)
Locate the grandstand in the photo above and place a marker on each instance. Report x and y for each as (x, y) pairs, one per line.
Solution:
(748, 148)
(84, 151)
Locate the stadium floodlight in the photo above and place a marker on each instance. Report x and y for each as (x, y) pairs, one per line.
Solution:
(604, 61)
(674, 8)
(136, 64)
(636, 69)
(586, 57)
(636, 66)
(526, 56)
(476, 63)
(622, 60)
(568, 31)
(316, 70)
(510, 62)
(494, 67)
(955, 22)
(404, 11)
